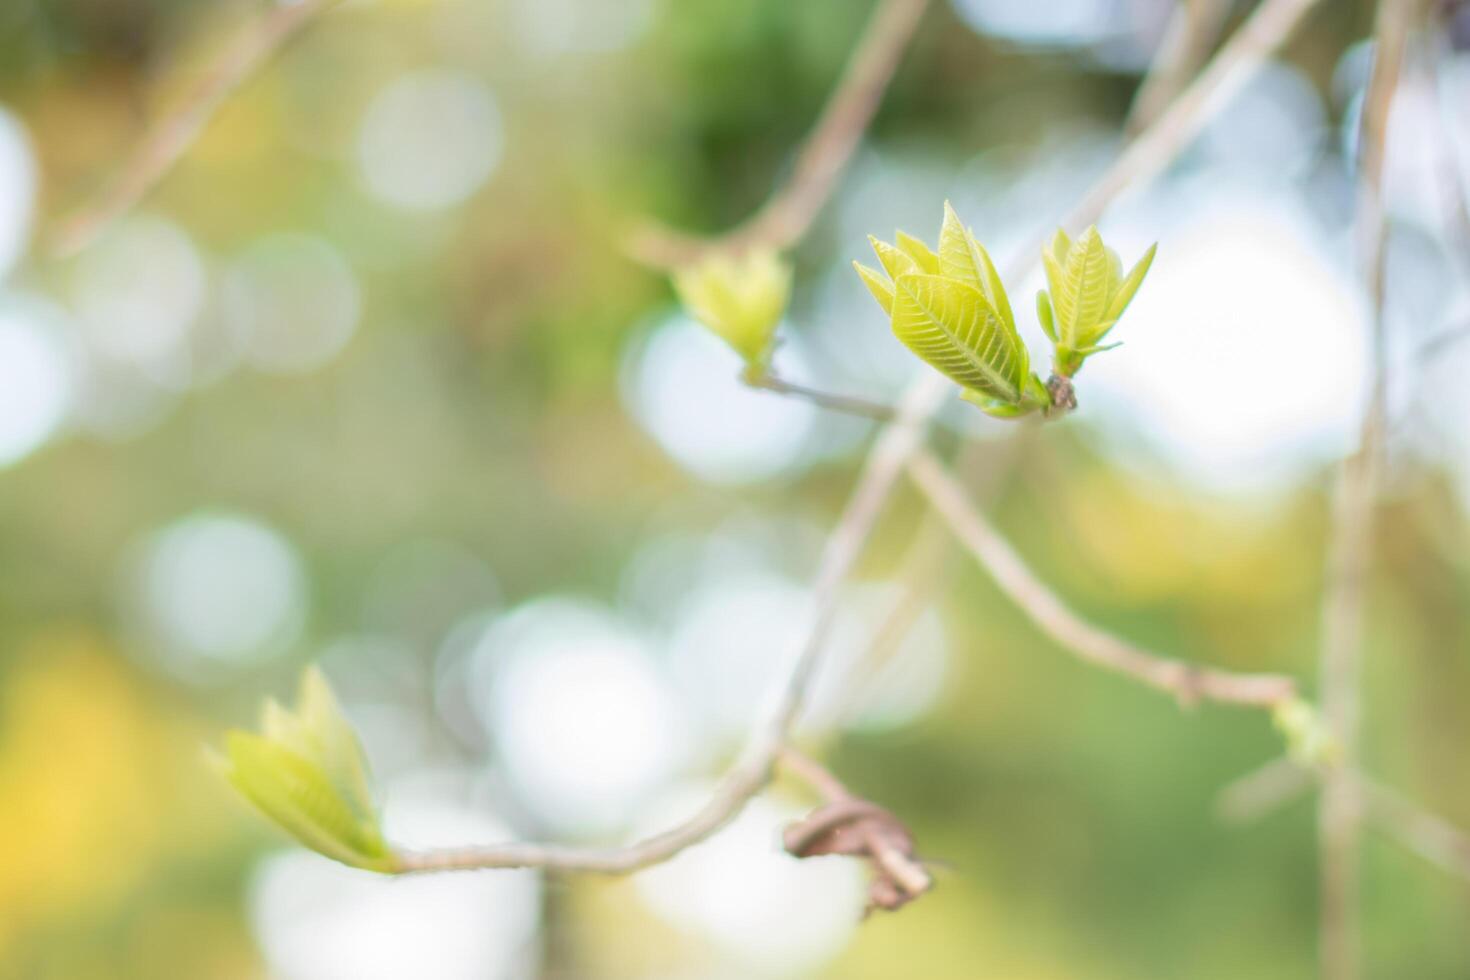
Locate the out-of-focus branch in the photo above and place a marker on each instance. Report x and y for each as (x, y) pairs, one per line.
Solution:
(167, 141)
(1191, 32)
(1266, 30)
(1447, 166)
(1433, 838)
(1260, 791)
(789, 212)
(1340, 660)
(1188, 683)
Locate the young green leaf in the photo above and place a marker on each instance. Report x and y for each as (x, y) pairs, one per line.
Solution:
(1043, 313)
(1080, 298)
(951, 326)
(878, 284)
(308, 774)
(741, 300)
(1123, 293)
(300, 799)
(915, 249)
(895, 262)
(962, 257)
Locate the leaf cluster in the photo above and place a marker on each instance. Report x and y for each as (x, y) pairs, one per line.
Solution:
(951, 309)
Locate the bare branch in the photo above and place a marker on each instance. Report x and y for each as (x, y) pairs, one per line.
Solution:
(1192, 30)
(167, 142)
(789, 212)
(1433, 838)
(846, 404)
(1186, 682)
(1257, 793)
(1340, 661)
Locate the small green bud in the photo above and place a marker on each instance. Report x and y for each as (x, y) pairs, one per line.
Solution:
(306, 772)
(740, 299)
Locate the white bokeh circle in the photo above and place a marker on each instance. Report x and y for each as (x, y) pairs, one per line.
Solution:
(580, 716)
(18, 184)
(682, 385)
(37, 375)
(292, 303)
(775, 915)
(215, 591)
(430, 139)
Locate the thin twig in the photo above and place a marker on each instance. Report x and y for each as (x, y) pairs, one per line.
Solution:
(1433, 838)
(1191, 32)
(846, 404)
(1456, 209)
(1257, 793)
(1340, 661)
(1188, 683)
(789, 212)
(166, 143)
(1266, 30)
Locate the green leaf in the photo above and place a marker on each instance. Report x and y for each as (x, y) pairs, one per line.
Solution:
(962, 257)
(341, 752)
(878, 284)
(915, 249)
(1123, 295)
(1043, 313)
(952, 327)
(741, 300)
(1081, 297)
(894, 262)
(300, 798)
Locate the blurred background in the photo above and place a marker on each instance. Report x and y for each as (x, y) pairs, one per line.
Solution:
(368, 381)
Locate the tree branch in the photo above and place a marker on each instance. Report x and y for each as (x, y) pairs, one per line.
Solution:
(1340, 659)
(1192, 29)
(1262, 790)
(1267, 29)
(1433, 838)
(167, 142)
(846, 404)
(1188, 683)
(789, 212)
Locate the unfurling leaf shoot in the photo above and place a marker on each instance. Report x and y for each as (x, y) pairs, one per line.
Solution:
(740, 299)
(306, 772)
(1087, 294)
(951, 309)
